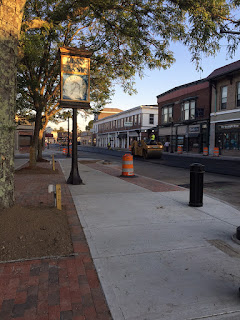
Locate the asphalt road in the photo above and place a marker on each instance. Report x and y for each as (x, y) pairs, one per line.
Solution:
(221, 186)
(174, 170)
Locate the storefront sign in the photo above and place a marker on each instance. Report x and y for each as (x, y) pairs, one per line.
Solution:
(228, 126)
(194, 129)
(128, 124)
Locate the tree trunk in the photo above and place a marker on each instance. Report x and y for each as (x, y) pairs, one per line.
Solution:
(10, 23)
(34, 145)
(40, 145)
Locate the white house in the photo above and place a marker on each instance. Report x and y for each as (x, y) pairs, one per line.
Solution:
(120, 129)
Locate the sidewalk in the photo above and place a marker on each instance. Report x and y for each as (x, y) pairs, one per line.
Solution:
(156, 257)
(51, 289)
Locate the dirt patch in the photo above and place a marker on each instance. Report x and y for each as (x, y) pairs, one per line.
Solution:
(36, 170)
(34, 227)
(33, 232)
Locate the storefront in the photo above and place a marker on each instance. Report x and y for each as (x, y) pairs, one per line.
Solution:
(191, 137)
(227, 138)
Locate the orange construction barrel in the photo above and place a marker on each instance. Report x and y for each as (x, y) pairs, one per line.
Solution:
(180, 149)
(216, 152)
(127, 166)
(205, 151)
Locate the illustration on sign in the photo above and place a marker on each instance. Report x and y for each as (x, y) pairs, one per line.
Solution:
(75, 87)
(75, 73)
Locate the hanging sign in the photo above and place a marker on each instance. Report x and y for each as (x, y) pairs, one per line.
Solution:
(75, 78)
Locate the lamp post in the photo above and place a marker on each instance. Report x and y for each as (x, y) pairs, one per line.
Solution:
(75, 94)
(68, 153)
(74, 177)
(171, 142)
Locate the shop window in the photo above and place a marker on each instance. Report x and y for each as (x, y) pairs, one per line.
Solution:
(188, 110)
(224, 98)
(151, 118)
(167, 114)
(234, 141)
(238, 95)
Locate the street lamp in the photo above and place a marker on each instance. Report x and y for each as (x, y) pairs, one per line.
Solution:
(68, 153)
(171, 142)
(75, 94)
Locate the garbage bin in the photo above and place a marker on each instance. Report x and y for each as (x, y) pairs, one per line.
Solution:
(196, 184)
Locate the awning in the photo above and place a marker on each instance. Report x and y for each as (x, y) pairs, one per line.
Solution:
(122, 135)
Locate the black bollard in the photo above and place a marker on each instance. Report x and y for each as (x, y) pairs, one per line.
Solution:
(196, 184)
(238, 233)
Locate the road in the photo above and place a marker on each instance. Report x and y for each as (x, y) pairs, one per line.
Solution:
(221, 186)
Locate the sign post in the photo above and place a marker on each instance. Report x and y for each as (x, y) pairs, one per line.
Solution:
(75, 94)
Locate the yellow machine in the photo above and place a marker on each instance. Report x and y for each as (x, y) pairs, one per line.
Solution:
(147, 150)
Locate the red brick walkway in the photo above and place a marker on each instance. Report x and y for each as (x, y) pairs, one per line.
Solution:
(141, 181)
(51, 289)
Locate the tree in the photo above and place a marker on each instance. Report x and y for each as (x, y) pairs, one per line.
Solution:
(10, 24)
(90, 125)
(125, 36)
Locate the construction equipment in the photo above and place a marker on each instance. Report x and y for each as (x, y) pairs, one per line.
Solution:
(147, 149)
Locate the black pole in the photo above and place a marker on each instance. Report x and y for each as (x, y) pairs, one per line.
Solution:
(171, 143)
(196, 184)
(74, 177)
(68, 153)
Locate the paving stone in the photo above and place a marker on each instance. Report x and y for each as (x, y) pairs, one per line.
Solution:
(51, 289)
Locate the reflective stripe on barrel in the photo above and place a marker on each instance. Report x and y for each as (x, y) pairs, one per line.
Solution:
(205, 151)
(179, 149)
(127, 165)
(216, 151)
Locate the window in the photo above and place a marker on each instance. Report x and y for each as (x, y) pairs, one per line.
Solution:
(238, 95)
(167, 114)
(223, 98)
(151, 118)
(188, 110)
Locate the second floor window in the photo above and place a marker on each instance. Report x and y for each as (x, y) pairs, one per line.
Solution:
(224, 98)
(151, 118)
(188, 110)
(238, 95)
(167, 114)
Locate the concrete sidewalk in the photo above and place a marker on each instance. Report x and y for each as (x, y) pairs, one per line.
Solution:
(156, 257)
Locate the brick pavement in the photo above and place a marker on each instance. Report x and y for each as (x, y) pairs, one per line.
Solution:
(141, 181)
(65, 288)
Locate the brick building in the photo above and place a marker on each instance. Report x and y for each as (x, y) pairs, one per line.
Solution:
(183, 116)
(225, 109)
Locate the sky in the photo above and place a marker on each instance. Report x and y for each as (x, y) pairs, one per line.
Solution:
(156, 82)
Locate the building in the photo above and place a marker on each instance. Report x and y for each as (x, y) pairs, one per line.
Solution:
(225, 109)
(183, 116)
(106, 112)
(121, 128)
(23, 134)
(85, 138)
